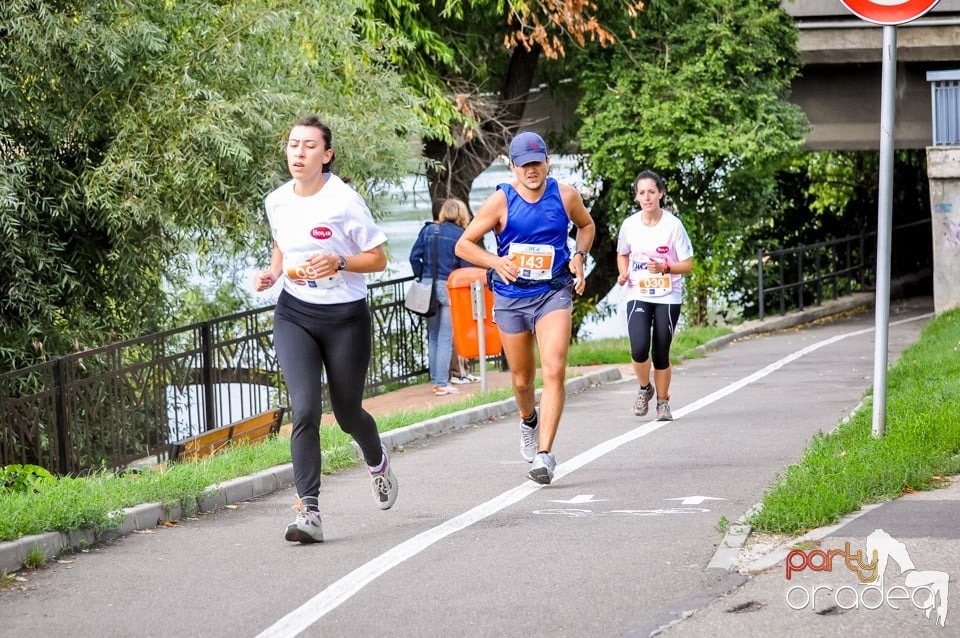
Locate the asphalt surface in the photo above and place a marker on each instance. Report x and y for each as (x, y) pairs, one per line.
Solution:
(631, 539)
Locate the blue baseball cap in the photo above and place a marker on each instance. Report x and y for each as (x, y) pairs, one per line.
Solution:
(527, 147)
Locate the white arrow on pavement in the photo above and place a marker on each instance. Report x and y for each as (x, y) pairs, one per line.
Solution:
(582, 498)
(694, 500)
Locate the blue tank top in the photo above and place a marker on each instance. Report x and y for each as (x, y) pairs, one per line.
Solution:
(542, 222)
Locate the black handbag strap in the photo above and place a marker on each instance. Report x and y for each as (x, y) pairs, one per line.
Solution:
(436, 256)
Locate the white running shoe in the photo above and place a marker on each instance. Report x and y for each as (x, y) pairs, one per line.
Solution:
(459, 380)
(529, 440)
(306, 528)
(543, 468)
(384, 484)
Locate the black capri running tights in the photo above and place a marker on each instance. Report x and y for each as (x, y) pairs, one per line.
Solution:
(310, 339)
(662, 318)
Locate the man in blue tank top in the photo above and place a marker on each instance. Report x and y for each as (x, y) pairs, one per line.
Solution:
(534, 275)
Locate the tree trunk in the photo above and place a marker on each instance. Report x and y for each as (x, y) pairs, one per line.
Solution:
(458, 165)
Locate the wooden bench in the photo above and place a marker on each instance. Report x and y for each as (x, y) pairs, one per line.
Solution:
(252, 429)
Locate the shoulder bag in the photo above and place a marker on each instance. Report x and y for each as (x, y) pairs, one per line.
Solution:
(421, 298)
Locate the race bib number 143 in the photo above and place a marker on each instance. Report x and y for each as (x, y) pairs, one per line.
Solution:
(535, 261)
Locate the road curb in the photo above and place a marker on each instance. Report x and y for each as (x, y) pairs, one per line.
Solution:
(774, 556)
(14, 554)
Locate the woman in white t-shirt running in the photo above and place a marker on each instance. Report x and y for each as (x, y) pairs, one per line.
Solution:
(324, 241)
(653, 254)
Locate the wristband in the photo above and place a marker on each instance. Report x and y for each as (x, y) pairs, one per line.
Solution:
(666, 268)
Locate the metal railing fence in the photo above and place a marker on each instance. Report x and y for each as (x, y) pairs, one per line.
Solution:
(111, 406)
(795, 278)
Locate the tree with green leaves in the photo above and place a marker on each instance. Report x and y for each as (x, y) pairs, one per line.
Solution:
(695, 89)
(700, 95)
(475, 63)
(138, 138)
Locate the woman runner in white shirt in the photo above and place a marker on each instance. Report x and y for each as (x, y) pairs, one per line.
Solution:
(653, 254)
(324, 241)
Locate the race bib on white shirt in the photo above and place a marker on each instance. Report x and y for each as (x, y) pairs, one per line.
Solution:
(334, 221)
(535, 261)
(297, 269)
(647, 283)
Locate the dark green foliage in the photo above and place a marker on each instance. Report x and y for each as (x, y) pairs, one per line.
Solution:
(24, 478)
(138, 138)
(700, 96)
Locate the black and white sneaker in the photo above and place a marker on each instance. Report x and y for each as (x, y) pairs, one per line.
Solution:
(306, 528)
(384, 486)
(543, 468)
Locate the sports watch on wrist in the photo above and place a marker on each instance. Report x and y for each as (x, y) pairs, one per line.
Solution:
(342, 265)
(583, 255)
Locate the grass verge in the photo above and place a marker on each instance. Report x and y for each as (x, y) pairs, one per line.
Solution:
(849, 467)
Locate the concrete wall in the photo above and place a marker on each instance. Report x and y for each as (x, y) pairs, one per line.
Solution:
(943, 170)
(853, 43)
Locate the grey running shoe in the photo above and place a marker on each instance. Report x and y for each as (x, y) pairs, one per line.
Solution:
(306, 528)
(543, 467)
(529, 441)
(384, 484)
(663, 410)
(642, 403)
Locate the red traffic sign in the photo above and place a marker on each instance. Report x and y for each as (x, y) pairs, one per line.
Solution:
(889, 12)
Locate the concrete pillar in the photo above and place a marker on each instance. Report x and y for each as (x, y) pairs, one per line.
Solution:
(943, 171)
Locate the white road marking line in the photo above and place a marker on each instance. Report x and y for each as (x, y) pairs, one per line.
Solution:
(581, 498)
(694, 500)
(333, 596)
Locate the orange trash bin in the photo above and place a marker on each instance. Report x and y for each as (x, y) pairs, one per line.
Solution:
(466, 339)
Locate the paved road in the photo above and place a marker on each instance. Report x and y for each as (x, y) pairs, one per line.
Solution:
(618, 545)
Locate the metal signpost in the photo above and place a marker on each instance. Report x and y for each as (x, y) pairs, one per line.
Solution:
(888, 13)
(479, 307)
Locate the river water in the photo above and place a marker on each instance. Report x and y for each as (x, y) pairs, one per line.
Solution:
(403, 210)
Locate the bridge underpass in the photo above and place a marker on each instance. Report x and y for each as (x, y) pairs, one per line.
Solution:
(839, 85)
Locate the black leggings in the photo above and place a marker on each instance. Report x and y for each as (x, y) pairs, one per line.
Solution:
(310, 338)
(663, 318)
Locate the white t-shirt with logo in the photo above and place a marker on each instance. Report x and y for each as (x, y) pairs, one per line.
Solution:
(334, 221)
(667, 240)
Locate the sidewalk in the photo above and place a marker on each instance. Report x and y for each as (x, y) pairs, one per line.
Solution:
(917, 539)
